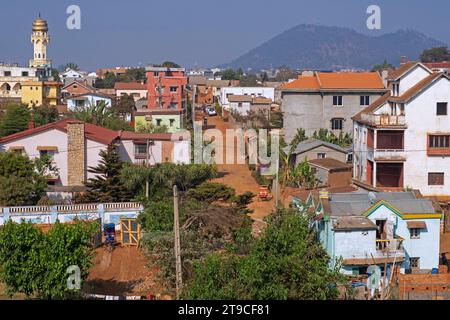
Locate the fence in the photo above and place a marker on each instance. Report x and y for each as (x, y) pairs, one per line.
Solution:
(106, 212)
(424, 286)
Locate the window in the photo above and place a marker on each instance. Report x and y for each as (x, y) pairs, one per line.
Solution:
(337, 123)
(414, 263)
(321, 155)
(414, 233)
(173, 89)
(140, 149)
(49, 153)
(7, 73)
(158, 122)
(337, 100)
(156, 74)
(24, 73)
(439, 141)
(75, 86)
(172, 122)
(364, 100)
(173, 105)
(435, 178)
(441, 109)
(240, 105)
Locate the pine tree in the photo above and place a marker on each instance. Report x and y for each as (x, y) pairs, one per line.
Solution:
(15, 120)
(106, 186)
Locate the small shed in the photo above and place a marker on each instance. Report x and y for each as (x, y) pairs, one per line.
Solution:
(332, 172)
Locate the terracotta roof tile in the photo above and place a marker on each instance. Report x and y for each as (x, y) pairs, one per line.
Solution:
(397, 73)
(337, 80)
(130, 86)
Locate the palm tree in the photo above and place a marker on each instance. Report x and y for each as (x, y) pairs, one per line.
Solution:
(286, 173)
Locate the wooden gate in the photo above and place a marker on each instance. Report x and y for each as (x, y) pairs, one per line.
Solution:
(130, 231)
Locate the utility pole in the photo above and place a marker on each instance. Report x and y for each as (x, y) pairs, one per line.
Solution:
(194, 93)
(276, 184)
(176, 229)
(147, 184)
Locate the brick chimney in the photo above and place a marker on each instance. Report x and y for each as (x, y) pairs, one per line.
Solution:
(76, 153)
(402, 60)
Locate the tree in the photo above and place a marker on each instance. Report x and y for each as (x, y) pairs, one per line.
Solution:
(437, 54)
(20, 182)
(36, 264)
(44, 114)
(286, 173)
(72, 65)
(285, 262)
(170, 64)
(284, 74)
(15, 120)
(106, 186)
(383, 66)
(229, 74)
(151, 128)
(102, 115)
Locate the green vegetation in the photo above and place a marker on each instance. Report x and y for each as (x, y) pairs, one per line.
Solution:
(15, 120)
(437, 54)
(110, 79)
(382, 66)
(23, 181)
(342, 140)
(107, 185)
(286, 262)
(101, 115)
(36, 264)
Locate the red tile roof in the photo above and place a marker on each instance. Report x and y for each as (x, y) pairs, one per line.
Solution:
(337, 80)
(130, 86)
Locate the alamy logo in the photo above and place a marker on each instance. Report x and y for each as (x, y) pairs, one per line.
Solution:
(74, 19)
(374, 20)
(74, 279)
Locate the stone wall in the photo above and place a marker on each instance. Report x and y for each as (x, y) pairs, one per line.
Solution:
(76, 154)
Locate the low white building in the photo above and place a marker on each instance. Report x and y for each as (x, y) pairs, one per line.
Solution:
(402, 140)
(74, 146)
(366, 229)
(252, 92)
(87, 100)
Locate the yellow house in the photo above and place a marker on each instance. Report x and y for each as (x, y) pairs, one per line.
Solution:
(37, 93)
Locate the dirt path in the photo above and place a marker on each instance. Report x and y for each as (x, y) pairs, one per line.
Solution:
(122, 272)
(239, 177)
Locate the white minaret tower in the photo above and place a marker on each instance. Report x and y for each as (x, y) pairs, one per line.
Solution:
(40, 40)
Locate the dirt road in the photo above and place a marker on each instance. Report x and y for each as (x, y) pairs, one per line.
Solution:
(122, 272)
(239, 176)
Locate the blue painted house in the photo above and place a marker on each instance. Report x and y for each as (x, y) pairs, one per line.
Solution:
(363, 229)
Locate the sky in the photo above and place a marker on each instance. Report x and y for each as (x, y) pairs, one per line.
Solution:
(202, 33)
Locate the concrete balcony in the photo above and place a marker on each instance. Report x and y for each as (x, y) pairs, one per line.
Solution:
(390, 247)
(384, 120)
(389, 155)
(11, 93)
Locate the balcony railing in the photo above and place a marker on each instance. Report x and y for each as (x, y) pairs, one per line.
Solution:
(390, 154)
(384, 119)
(389, 245)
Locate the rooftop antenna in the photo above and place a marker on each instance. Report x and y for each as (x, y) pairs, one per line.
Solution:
(372, 197)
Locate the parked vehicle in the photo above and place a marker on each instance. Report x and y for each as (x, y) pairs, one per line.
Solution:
(211, 111)
(109, 231)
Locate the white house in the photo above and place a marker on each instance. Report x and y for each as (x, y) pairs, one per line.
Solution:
(87, 100)
(403, 139)
(252, 92)
(366, 229)
(75, 146)
(135, 89)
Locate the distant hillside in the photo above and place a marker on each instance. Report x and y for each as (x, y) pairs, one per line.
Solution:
(321, 47)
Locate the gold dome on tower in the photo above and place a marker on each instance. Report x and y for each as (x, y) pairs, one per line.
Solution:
(40, 24)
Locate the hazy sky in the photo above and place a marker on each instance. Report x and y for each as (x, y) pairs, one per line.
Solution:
(195, 32)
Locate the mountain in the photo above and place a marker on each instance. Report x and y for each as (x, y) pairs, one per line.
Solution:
(330, 48)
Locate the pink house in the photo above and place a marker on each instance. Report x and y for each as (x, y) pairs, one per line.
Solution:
(75, 146)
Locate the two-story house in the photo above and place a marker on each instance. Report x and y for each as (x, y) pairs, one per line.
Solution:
(74, 146)
(327, 100)
(402, 140)
(384, 229)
